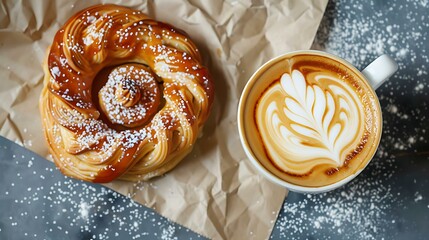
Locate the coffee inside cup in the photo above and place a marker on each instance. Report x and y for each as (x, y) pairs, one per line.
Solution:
(314, 119)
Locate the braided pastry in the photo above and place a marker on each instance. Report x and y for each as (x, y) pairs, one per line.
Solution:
(124, 96)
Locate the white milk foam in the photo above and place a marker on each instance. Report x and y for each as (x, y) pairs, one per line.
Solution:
(306, 123)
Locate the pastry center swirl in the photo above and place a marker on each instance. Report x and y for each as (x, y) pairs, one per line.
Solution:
(128, 93)
(131, 95)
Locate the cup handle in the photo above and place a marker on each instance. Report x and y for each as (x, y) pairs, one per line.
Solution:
(380, 70)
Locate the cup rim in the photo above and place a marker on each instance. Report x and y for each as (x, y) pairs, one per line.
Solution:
(246, 146)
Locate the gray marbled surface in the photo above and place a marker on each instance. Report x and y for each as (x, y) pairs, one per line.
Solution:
(389, 200)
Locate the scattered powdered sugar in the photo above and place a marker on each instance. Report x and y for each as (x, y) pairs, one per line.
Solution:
(58, 206)
(418, 197)
(130, 92)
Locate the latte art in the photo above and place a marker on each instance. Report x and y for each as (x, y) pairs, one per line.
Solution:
(309, 121)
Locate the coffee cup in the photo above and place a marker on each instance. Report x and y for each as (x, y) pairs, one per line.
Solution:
(310, 121)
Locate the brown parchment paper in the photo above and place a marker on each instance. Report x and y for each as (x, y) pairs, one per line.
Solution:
(214, 191)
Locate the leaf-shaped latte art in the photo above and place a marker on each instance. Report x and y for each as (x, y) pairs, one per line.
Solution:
(309, 122)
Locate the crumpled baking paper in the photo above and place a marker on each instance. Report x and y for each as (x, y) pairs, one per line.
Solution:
(214, 191)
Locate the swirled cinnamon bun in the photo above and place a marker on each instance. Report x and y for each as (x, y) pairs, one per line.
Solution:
(124, 95)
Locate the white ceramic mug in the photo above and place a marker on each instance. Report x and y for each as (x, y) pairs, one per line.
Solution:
(375, 74)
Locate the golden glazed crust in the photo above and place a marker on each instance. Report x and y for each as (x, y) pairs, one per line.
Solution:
(144, 118)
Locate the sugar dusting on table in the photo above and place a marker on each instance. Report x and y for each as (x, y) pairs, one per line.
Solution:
(75, 208)
(363, 208)
(356, 210)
